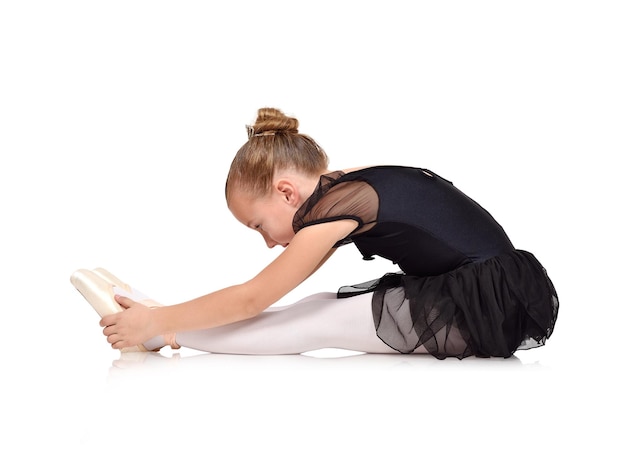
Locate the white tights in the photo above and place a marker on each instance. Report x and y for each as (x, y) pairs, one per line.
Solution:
(316, 322)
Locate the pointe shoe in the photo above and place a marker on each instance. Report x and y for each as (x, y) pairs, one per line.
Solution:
(99, 287)
(126, 289)
(100, 295)
(112, 279)
(97, 291)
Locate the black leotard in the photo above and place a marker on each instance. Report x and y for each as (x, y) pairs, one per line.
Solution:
(410, 216)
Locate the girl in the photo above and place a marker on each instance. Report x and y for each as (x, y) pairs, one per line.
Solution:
(463, 289)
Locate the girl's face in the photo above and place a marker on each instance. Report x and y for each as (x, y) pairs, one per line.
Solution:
(271, 215)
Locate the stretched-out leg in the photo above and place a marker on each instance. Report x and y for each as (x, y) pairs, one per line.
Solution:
(319, 321)
(316, 322)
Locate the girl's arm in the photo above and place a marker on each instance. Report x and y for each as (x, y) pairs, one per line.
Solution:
(310, 247)
(321, 263)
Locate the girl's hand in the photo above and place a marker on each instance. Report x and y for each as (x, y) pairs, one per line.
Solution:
(133, 326)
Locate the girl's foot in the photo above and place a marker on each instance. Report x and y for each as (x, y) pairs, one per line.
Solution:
(99, 287)
(124, 289)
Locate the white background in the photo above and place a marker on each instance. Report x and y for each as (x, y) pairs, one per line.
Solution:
(118, 121)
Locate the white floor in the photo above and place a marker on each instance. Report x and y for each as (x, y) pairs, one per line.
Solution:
(71, 391)
(118, 123)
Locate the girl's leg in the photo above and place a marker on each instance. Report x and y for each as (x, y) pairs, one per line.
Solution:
(316, 322)
(319, 321)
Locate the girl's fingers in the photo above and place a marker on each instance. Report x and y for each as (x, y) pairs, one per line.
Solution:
(107, 321)
(124, 301)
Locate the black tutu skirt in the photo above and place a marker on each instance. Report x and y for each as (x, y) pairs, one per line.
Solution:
(487, 309)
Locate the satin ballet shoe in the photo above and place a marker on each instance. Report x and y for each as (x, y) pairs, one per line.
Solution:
(100, 295)
(97, 291)
(126, 289)
(99, 287)
(112, 279)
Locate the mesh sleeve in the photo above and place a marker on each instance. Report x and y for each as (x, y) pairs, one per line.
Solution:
(355, 200)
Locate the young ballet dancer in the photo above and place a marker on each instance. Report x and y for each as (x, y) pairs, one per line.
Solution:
(461, 288)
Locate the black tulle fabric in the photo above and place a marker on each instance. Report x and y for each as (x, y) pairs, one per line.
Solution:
(488, 309)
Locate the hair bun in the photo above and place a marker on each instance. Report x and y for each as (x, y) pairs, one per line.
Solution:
(271, 120)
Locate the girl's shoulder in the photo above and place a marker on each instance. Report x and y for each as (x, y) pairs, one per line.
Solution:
(381, 166)
(353, 169)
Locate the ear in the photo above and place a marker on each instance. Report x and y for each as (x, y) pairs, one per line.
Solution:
(288, 191)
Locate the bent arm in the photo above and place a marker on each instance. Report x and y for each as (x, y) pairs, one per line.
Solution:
(308, 250)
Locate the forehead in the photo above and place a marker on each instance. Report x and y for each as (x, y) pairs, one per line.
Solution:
(245, 206)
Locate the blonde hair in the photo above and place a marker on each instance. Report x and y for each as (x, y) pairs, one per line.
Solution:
(273, 144)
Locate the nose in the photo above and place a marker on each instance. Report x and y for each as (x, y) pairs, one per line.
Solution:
(270, 242)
